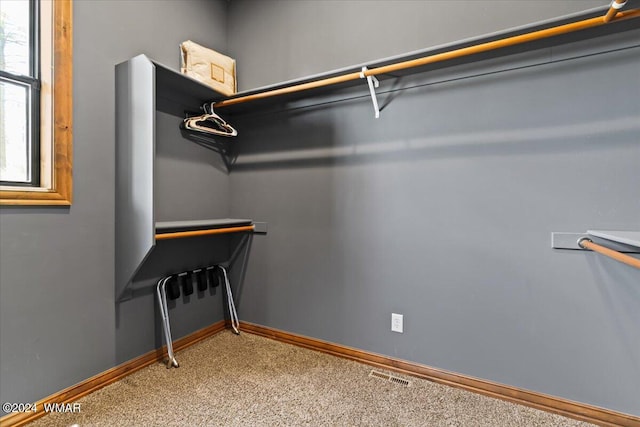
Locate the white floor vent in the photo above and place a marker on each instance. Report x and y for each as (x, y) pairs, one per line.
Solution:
(390, 378)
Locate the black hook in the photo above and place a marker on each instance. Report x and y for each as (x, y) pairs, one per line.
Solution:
(174, 289)
(212, 276)
(185, 283)
(200, 279)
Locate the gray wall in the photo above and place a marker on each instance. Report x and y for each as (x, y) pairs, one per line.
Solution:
(442, 209)
(274, 40)
(59, 323)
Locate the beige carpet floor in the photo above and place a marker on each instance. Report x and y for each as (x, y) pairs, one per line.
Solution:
(246, 380)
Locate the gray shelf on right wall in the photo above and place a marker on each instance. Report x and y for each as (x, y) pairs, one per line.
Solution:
(631, 238)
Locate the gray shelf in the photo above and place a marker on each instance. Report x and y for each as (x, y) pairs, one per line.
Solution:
(180, 89)
(631, 238)
(204, 224)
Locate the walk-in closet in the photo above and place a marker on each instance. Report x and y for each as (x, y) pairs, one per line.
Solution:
(356, 213)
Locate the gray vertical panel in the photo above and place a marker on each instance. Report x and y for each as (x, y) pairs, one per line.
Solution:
(135, 153)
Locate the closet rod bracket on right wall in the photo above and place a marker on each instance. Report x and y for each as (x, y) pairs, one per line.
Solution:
(612, 244)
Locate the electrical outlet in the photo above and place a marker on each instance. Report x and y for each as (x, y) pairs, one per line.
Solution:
(396, 322)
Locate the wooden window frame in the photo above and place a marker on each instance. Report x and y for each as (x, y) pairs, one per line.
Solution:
(56, 160)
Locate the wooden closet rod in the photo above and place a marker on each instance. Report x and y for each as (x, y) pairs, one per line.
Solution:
(194, 233)
(626, 259)
(444, 56)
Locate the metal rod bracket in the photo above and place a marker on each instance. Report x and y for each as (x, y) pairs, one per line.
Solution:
(373, 83)
(618, 6)
(614, 8)
(561, 240)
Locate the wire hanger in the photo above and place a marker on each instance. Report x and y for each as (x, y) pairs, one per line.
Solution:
(209, 123)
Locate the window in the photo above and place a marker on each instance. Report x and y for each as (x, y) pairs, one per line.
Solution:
(19, 93)
(35, 102)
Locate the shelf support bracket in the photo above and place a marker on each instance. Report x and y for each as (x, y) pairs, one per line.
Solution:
(373, 84)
